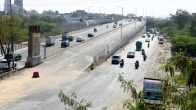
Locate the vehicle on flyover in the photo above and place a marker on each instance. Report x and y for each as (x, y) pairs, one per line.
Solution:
(65, 44)
(90, 35)
(50, 41)
(116, 60)
(80, 39)
(138, 46)
(161, 40)
(131, 55)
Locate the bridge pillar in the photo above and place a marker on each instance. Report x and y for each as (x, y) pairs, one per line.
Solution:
(34, 57)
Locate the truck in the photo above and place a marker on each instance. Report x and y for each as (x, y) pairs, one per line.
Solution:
(152, 90)
(50, 41)
(138, 46)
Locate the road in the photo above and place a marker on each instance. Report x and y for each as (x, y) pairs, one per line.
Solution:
(64, 70)
(101, 86)
(82, 33)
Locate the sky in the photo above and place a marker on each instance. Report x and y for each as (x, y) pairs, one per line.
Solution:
(156, 8)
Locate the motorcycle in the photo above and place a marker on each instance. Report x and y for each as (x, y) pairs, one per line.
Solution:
(136, 64)
(122, 63)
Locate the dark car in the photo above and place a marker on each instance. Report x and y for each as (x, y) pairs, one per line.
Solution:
(18, 57)
(70, 38)
(116, 60)
(65, 44)
(131, 55)
(90, 35)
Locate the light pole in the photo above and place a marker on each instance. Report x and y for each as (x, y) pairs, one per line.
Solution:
(122, 27)
(11, 33)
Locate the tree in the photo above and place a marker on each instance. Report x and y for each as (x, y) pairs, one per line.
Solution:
(181, 18)
(72, 103)
(193, 25)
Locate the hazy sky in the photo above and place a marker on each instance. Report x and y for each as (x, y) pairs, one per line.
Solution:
(158, 8)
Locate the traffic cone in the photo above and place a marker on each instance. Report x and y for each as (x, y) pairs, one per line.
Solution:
(35, 75)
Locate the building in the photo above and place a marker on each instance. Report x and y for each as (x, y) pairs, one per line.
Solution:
(18, 6)
(7, 6)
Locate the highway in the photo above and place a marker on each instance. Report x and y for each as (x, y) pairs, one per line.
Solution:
(80, 33)
(65, 70)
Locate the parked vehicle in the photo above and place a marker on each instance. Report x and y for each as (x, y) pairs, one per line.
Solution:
(50, 41)
(65, 44)
(18, 57)
(4, 66)
(131, 55)
(116, 60)
(138, 46)
(90, 35)
(152, 91)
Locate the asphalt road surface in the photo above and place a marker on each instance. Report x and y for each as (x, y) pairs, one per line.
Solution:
(64, 70)
(50, 51)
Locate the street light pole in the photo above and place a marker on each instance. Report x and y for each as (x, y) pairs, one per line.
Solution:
(121, 28)
(11, 34)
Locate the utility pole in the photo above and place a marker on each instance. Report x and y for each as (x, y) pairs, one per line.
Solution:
(11, 35)
(122, 28)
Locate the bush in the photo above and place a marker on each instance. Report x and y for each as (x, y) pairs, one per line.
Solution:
(184, 44)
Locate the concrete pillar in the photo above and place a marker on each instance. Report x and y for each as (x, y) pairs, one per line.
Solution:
(34, 57)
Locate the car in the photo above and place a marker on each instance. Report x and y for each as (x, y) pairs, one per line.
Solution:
(65, 44)
(131, 55)
(79, 39)
(114, 26)
(90, 35)
(18, 57)
(4, 67)
(161, 40)
(70, 38)
(50, 41)
(116, 60)
(147, 40)
(143, 36)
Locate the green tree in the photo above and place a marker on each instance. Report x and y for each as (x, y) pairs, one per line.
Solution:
(181, 18)
(193, 25)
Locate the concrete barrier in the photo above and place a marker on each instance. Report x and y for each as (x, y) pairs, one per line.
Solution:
(111, 48)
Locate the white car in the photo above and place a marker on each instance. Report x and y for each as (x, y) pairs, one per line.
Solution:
(147, 40)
